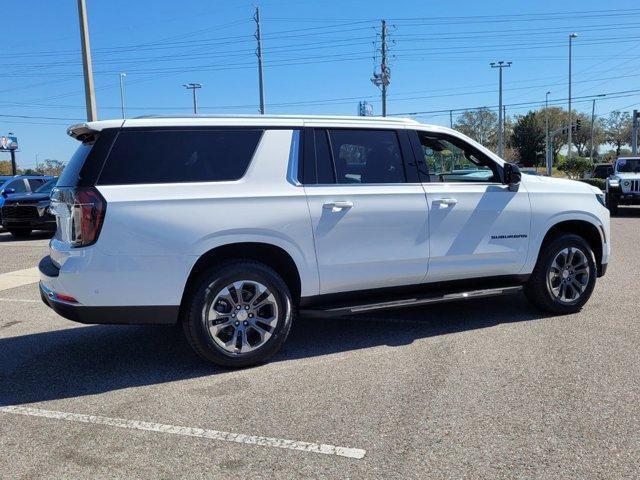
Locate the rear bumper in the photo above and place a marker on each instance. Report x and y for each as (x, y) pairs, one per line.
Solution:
(126, 315)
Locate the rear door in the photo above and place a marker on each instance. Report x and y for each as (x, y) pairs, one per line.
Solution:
(478, 227)
(368, 209)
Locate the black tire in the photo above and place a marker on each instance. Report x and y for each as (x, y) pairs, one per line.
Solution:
(538, 290)
(203, 291)
(612, 203)
(20, 233)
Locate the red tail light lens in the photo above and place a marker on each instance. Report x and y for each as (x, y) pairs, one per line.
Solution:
(79, 214)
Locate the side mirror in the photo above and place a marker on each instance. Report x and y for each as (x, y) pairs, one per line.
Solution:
(512, 176)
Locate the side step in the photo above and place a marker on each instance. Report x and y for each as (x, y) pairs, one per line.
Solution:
(335, 311)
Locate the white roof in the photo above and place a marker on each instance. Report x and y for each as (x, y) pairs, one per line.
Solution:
(241, 120)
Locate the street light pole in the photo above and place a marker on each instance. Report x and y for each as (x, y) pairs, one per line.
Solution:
(500, 65)
(193, 87)
(571, 37)
(122, 75)
(593, 121)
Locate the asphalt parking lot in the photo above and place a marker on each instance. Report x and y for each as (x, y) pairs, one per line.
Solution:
(484, 389)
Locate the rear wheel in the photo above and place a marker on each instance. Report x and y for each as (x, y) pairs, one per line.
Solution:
(238, 314)
(20, 232)
(564, 276)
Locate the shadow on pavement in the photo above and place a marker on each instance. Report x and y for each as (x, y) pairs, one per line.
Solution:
(37, 235)
(92, 359)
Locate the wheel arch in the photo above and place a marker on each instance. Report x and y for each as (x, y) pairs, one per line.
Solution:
(271, 255)
(591, 233)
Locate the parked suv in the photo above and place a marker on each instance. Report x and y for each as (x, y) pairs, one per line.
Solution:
(232, 225)
(23, 213)
(20, 184)
(623, 186)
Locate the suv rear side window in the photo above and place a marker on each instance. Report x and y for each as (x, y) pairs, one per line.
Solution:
(360, 156)
(179, 156)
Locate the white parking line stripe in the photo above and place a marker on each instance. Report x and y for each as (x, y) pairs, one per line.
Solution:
(23, 300)
(19, 278)
(355, 453)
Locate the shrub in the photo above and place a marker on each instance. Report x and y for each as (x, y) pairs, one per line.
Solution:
(601, 183)
(575, 167)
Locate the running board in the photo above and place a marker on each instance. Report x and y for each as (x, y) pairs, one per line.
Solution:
(409, 302)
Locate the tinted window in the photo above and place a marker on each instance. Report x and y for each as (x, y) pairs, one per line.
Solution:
(36, 183)
(47, 187)
(448, 159)
(71, 172)
(366, 156)
(17, 185)
(173, 156)
(324, 163)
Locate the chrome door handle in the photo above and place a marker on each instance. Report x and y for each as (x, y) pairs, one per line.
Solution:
(339, 205)
(446, 201)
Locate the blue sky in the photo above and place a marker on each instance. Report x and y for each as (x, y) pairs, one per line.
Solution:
(318, 54)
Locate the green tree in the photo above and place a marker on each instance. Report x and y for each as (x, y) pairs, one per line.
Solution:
(5, 167)
(481, 125)
(575, 167)
(582, 138)
(558, 118)
(51, 167)
(617, 129)
(528, 139)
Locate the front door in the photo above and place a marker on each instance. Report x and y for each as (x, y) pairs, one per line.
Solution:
(478, 227)
(368, 210)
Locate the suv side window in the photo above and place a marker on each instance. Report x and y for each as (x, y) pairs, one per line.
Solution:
(358, 156)
(18, 186)
(35, 183)
(179, 156)
(451, 160)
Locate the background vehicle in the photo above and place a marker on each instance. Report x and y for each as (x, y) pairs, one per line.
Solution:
(20, 184)
(602, 170)
(623, 186)
(23, 213)
(230, 225)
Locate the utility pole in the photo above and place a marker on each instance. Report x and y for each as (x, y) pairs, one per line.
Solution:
(571, 37)
(193, 87)
(14, 168)
(451, 118)
(89, 89)
(546, 132)
(258, 37)
(500, 65)
(634, 133)
(593, 121)
(383, 78)
(122, 75)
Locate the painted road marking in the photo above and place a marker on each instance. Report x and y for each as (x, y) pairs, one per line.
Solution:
(22, 300)
(19, 278)
(355, 453)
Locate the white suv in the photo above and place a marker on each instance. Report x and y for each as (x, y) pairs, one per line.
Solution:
(232, 225)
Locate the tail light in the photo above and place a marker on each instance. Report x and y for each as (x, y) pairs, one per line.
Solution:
(79, 214)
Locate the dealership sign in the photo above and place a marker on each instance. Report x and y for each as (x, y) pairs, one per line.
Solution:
(8, 143)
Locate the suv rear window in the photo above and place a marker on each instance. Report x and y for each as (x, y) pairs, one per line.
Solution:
(179, 156)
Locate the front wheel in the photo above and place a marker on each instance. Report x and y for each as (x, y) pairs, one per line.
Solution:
(564, 276)
(238, 314)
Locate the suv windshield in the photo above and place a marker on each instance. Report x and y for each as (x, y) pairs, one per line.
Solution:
(627, 165)
(47, 187)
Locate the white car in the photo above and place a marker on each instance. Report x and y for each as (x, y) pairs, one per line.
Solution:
(232, 225)
(623, 186)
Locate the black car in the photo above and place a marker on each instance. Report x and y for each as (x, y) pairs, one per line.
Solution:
(23, 213)
(602, 170)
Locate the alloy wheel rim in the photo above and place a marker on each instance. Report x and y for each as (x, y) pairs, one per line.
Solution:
(568, 275)
(241, 317)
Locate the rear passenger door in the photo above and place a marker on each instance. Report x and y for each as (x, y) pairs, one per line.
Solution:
(368, 209)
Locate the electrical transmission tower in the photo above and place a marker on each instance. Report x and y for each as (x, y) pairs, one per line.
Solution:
(383, 79)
